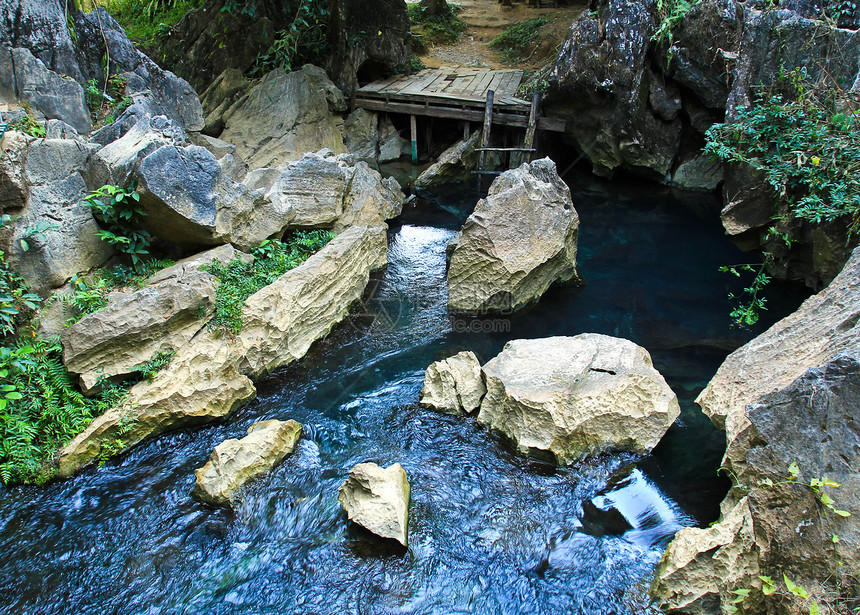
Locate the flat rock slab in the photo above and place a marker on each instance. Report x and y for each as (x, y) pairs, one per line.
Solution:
(454, 384)
(236, 462)
(377, 499)
(569, 397)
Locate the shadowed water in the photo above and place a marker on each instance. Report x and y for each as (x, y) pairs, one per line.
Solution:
(490, 532)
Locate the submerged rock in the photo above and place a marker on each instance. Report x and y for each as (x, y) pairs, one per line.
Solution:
(569, 397)
(455, 384)
(236, 462)
(517, 243)
(210, 376)
(789, 396)
(378, 500)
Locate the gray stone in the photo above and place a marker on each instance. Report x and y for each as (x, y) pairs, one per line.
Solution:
(570, 397)
(455, 165)
(700, 173)
(518, 242)
(378, 500)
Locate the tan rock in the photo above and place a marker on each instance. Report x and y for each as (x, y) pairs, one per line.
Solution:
(569, 397)
(520, 240)
(378, 500)
(236, 462)
(208, 378)
(455, 384)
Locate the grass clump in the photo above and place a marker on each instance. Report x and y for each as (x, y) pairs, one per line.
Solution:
(239, 280)
(147, 21)
(513, 43)
(444, 29)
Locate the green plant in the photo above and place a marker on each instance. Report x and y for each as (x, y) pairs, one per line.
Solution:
(671, 13)
(304, 40)
(150, 368)
(145, 21)
(442, 29)
(749, 304)
(29, 125)
(118, 212)
(239, 280)
(15, 296)
(45, 412)
(517, 38)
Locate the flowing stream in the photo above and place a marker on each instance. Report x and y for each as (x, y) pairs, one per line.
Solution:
(490, 532)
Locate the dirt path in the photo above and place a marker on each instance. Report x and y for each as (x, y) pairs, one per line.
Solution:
(487, 19)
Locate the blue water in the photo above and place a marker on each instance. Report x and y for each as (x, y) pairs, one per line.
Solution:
(490, 532)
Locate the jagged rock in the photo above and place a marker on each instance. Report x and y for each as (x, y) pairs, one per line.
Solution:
(455, 384)
(211, 376)
(368, 39)
(230, 86)
(53, 185)
(602, 71)
(57, 97)
(236, 462)
(136, 326)
(700, 173)
(285, 115)
(519, 241)
(569, 397)
(378, 500)
(788, 396)
(13, 186)
(328, 191)
(454, 165)
(372, 137)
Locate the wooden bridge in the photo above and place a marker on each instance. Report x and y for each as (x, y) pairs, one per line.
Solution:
(465, 94)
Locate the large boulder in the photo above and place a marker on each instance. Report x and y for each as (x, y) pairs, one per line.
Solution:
(569, 397)
(519, 241)
(135, 327)
(51, 183)
(787, 397)
(378, 500)
(234, 463)
(285, 115)
(371, 137)
(603, 77)
(454, 165)
(322, 190)
(210, 376)
(455, 384)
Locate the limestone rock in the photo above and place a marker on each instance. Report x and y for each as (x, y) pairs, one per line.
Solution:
(370, 199)
(788, 396)
(519, 241)
(209, 377)
(378, 500)
(283, 116)
(136, 326)
(236, 462)
(372, 137)
(455, 384)
(700, 173)
(453, 166)
(53, 188)
(13, 186)
(569, 397)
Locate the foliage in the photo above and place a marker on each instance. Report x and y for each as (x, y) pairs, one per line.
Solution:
(107, 103)
(90, 293)
(147, 21)
(42, 410)
(29, 125)
(239, 280)
(304, 40)
(157, 363)
(750, 304)
(517, 38)
(442, 29)
(16, 300)
(671, 13)
(119, 213)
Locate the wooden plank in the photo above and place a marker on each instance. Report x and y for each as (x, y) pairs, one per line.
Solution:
(482, 86)
(509, 84)
(485, 136)
(454, 113)
(381, 85)
(414, 130)
(476, 88)
(417, 85)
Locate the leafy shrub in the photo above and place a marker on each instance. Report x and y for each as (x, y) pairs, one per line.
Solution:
(671, 13)
(304, 40)
(42, 409)
(118, 212)
(513, 43)
(239, 280)
(148, 370)
(15, 296)
(29, 125)
(146, 21)
(442, 29)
